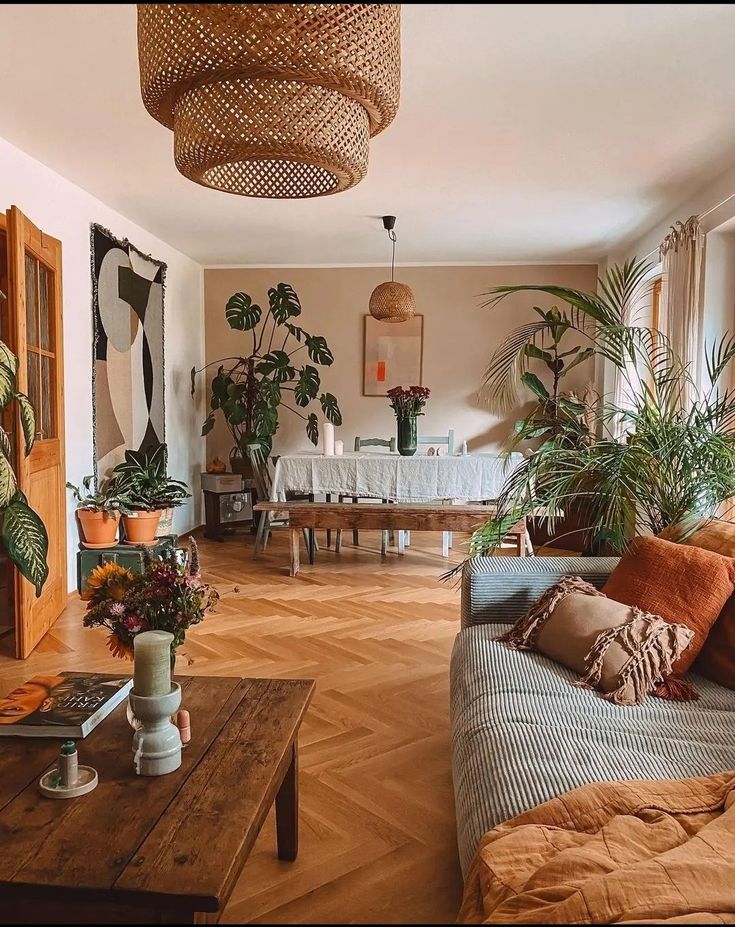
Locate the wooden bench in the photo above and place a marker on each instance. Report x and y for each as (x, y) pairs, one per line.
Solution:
(381, 516)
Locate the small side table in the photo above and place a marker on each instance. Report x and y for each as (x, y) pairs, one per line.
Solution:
(228, 504)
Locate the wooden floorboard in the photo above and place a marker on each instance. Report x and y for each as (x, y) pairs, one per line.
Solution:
(378, 838)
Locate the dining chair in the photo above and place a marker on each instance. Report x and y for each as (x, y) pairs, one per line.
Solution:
(269, 520)
(360, 443)
(440, 440)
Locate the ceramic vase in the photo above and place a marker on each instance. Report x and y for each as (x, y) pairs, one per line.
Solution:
(407, 435)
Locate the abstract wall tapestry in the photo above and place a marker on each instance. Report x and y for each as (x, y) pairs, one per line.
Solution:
(128, 373)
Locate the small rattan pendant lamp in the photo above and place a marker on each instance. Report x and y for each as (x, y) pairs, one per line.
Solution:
(391, 301)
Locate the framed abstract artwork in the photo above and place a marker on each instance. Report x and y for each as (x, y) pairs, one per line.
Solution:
(393, 354)
(128, 369)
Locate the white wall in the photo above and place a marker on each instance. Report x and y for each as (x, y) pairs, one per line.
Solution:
(719, 287)
(65, 211)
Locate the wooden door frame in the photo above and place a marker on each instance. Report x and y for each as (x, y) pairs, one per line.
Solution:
(46, 250)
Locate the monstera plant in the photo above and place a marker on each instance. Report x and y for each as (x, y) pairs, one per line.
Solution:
(23, 532)
(250, 389)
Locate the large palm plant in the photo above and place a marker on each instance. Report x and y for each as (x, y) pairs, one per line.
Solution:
(637, 466)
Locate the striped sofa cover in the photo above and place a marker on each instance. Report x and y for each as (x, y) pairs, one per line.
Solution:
(522, 734)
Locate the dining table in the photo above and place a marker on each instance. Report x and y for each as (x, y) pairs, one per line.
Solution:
(391, 476)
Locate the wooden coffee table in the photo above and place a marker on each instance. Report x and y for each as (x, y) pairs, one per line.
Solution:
(161, 850)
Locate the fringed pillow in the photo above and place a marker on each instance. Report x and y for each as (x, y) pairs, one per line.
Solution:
(620, 650)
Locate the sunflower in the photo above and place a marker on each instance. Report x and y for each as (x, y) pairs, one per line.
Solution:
(118, 649)
(109, 581)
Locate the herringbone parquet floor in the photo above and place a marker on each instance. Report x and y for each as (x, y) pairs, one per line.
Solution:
(377, 819)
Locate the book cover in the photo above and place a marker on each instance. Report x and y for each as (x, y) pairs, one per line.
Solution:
(67, 705)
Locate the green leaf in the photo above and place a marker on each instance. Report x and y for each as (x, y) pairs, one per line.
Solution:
(242, 313)
(278, 364)
(572, 407)
(536, 386)
(208, 425)
(579, 359)
(5, 447)
(269, 392)
(8, 358)
(307, 386)
(330, 408)
(193, 375)
(8, 485)
(26, 541)
(220, 385)
(319, 350)
(234, 412)
(27, 420)
(7, 384)
(283, 303)
(532, 351)
(312, 428)
(297, 332)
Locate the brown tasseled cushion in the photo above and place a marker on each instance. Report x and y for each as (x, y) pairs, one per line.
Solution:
(622, 651)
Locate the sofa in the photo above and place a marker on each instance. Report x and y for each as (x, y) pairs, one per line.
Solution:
(523, 734)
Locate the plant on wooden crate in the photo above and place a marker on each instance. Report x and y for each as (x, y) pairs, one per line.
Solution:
(650, 463)
(98, 510)
(250, 389)
(151, 494)
(23, 533)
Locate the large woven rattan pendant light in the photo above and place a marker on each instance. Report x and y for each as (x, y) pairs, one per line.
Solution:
(274, 100)
(391, 301)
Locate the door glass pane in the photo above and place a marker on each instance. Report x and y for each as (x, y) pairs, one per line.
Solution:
(44, 308)
(34, 384)
(48, 425)
(31, 300)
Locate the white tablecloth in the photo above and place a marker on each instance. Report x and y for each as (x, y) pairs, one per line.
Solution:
(389, 476)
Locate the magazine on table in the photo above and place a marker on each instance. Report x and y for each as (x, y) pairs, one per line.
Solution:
(65, 705)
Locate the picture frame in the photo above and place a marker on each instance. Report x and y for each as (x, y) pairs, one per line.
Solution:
(393, 354)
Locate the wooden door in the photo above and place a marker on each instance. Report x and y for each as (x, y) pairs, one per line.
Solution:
(36, 336)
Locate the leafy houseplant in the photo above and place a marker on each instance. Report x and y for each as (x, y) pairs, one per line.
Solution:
(142, 479)
(673, 465)
(249, 390)
(166, 596)
(23, 533)
(407, 405)
(98, 511)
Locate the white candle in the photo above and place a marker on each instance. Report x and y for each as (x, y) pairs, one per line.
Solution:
(152, 666)
(328, 439)
(339, 448)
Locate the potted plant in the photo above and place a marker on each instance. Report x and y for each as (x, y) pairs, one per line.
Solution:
(168, 595)
(142, 479)
(144, 475)
(250, 389)
(672, 465)
(407, 405)
(23, 533)
(98, 512)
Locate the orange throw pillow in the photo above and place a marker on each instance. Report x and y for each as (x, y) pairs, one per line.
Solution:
(682, 584)
(717, 659)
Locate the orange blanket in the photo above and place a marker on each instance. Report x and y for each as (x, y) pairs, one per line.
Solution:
(612, 853)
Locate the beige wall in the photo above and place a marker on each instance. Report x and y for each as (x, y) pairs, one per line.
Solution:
(459, 338)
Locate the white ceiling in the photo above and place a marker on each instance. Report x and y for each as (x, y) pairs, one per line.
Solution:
(527, 132)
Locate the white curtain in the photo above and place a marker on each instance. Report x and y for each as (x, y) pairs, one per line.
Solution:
(681, 312)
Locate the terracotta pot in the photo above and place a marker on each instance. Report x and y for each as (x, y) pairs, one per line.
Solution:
(140, 527)
(98, 528)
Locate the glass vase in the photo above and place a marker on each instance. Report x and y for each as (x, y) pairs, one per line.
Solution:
(407, 435)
